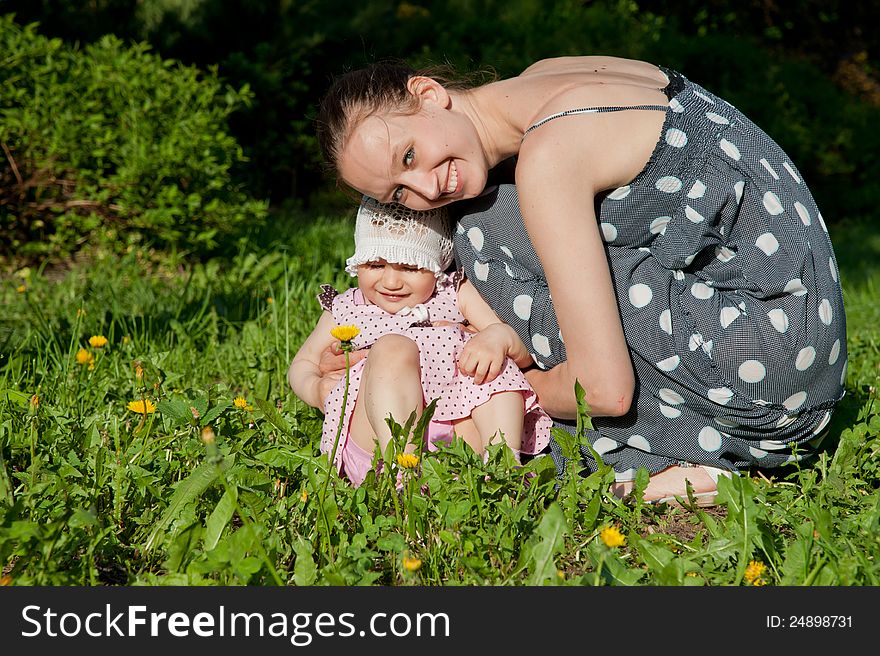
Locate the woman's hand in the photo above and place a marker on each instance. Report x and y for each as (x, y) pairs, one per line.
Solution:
(483, 357)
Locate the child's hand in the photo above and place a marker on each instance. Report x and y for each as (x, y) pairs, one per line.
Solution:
(333, 359)
(483, 357)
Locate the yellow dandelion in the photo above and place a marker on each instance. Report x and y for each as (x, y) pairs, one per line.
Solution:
(240, 402)
(408, 460)
(35, 401)
(138, 371)
(21, 289)
(5, 580)
(345, 333)
(84, 357)
(612, 537)
(304, 496)
(270, 300)
(560, 574)
(754, 572)
(411, 564)
(97, 341)
(125, 339)
(142, 407)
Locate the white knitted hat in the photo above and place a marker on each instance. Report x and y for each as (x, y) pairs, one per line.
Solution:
(399, 235)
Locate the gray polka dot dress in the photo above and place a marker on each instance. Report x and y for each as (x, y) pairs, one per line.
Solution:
(727, 286)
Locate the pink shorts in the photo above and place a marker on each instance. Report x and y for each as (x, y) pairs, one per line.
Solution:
(356, 462)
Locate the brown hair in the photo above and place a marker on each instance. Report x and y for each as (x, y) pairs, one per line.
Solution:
(355, 95)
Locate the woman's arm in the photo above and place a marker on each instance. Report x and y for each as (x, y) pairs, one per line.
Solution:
(304, 375)
(561, 168)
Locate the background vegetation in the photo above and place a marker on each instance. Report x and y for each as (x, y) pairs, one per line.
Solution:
(160, 188)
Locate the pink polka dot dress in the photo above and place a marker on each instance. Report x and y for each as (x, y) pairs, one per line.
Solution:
(439, 347)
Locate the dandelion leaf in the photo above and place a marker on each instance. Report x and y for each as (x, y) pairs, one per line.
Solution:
(220, 517)
(176, 409)
(304, 570)
(551, 532)
(796, 566)
(188, 490)
(215, 412)
(273, 416)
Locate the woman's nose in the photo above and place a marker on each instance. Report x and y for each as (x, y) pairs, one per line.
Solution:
(424, 183)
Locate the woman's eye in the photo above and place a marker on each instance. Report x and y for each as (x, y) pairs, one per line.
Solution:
(409, 156)
(397, 195)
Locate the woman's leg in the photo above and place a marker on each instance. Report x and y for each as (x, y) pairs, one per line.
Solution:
(670, 482)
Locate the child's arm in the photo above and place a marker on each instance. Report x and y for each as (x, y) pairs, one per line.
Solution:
(304, 374)
(483, 356)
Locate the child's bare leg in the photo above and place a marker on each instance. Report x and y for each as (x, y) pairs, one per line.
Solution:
(391, 384)
(360, 431)
(503, 413)
(466, 429)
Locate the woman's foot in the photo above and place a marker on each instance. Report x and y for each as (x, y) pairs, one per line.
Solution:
(665, 486)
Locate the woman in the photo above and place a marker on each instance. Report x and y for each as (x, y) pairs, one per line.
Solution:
(694, 289)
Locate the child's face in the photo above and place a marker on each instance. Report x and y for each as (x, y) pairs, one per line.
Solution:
(394, 286)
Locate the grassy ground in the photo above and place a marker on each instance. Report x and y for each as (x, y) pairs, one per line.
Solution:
(207, 491)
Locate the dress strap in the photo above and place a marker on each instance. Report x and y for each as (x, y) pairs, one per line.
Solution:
(593, 110)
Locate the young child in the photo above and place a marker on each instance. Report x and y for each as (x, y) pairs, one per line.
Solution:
(406, 304)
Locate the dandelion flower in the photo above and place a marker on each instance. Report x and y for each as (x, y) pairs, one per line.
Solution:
(6, 579)
(21, 289)
(754, 572)
(142, 407)
(84, 357)
(97, 341)
(612, 537)
(240, 402)
(408, 460)
(304, 496)
(411, 564)
(345, 333)
(270, 300)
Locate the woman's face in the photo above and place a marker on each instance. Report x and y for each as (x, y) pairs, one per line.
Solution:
(422, 160)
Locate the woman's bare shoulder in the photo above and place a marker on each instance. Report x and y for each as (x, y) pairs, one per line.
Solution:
(589, 63)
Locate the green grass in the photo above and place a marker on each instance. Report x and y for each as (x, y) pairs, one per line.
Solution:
(92, 493)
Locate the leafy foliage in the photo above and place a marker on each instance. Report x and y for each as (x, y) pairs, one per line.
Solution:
(113, 143)
(205, 492)
(809, 78)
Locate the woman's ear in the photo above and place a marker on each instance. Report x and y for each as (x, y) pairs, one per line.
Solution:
(426, 88)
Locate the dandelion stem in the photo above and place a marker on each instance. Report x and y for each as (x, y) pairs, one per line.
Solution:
(331, 468)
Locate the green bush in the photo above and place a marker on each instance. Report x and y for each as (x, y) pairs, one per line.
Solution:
(112, 143)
